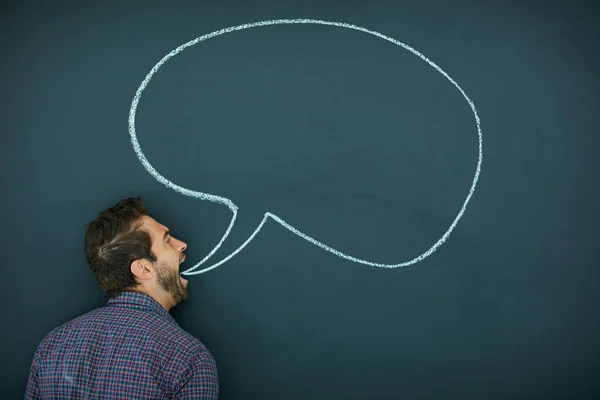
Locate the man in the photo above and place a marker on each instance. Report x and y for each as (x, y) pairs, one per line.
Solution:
(131, 348)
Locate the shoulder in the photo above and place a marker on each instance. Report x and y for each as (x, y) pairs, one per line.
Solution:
(181, 347)
(183, 359)
(55, 337)
(196, 374)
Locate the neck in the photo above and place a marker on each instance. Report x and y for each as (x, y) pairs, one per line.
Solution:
(163, 298)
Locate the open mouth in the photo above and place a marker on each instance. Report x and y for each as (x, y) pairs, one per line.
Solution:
(183, 281)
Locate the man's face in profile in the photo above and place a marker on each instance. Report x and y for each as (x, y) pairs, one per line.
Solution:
(169, 253)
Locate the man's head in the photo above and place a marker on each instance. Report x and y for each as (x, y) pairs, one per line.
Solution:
(129, 250)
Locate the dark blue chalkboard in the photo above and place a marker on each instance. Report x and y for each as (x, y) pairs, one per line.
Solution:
(353, 141)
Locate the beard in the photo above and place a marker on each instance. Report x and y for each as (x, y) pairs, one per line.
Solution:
(170, 282)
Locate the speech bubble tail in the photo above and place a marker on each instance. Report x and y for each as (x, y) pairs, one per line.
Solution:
(236, 251)
(189, 271)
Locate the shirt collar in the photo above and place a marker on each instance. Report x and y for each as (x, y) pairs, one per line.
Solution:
(140, 301)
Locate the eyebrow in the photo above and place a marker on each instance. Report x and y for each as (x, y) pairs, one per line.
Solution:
(167, 233)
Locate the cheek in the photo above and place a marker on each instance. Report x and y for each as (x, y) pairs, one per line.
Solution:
(174, 255)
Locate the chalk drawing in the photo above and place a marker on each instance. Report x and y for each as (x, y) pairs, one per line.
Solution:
(233, 207)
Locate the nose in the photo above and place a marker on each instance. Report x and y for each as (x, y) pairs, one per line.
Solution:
(182, 246)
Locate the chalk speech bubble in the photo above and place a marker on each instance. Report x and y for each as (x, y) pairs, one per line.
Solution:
(234, 209)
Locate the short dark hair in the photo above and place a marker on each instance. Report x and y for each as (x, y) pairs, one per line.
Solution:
(113, 241)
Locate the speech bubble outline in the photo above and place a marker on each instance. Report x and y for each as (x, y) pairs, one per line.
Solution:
(234, 209)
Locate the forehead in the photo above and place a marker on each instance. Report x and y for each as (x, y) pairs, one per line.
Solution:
(155, 228)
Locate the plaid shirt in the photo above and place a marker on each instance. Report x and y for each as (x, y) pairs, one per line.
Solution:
(131, 348)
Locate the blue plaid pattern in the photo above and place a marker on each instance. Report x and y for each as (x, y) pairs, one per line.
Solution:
(131, 348)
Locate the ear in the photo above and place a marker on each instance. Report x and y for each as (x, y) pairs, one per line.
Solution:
(142, 270)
